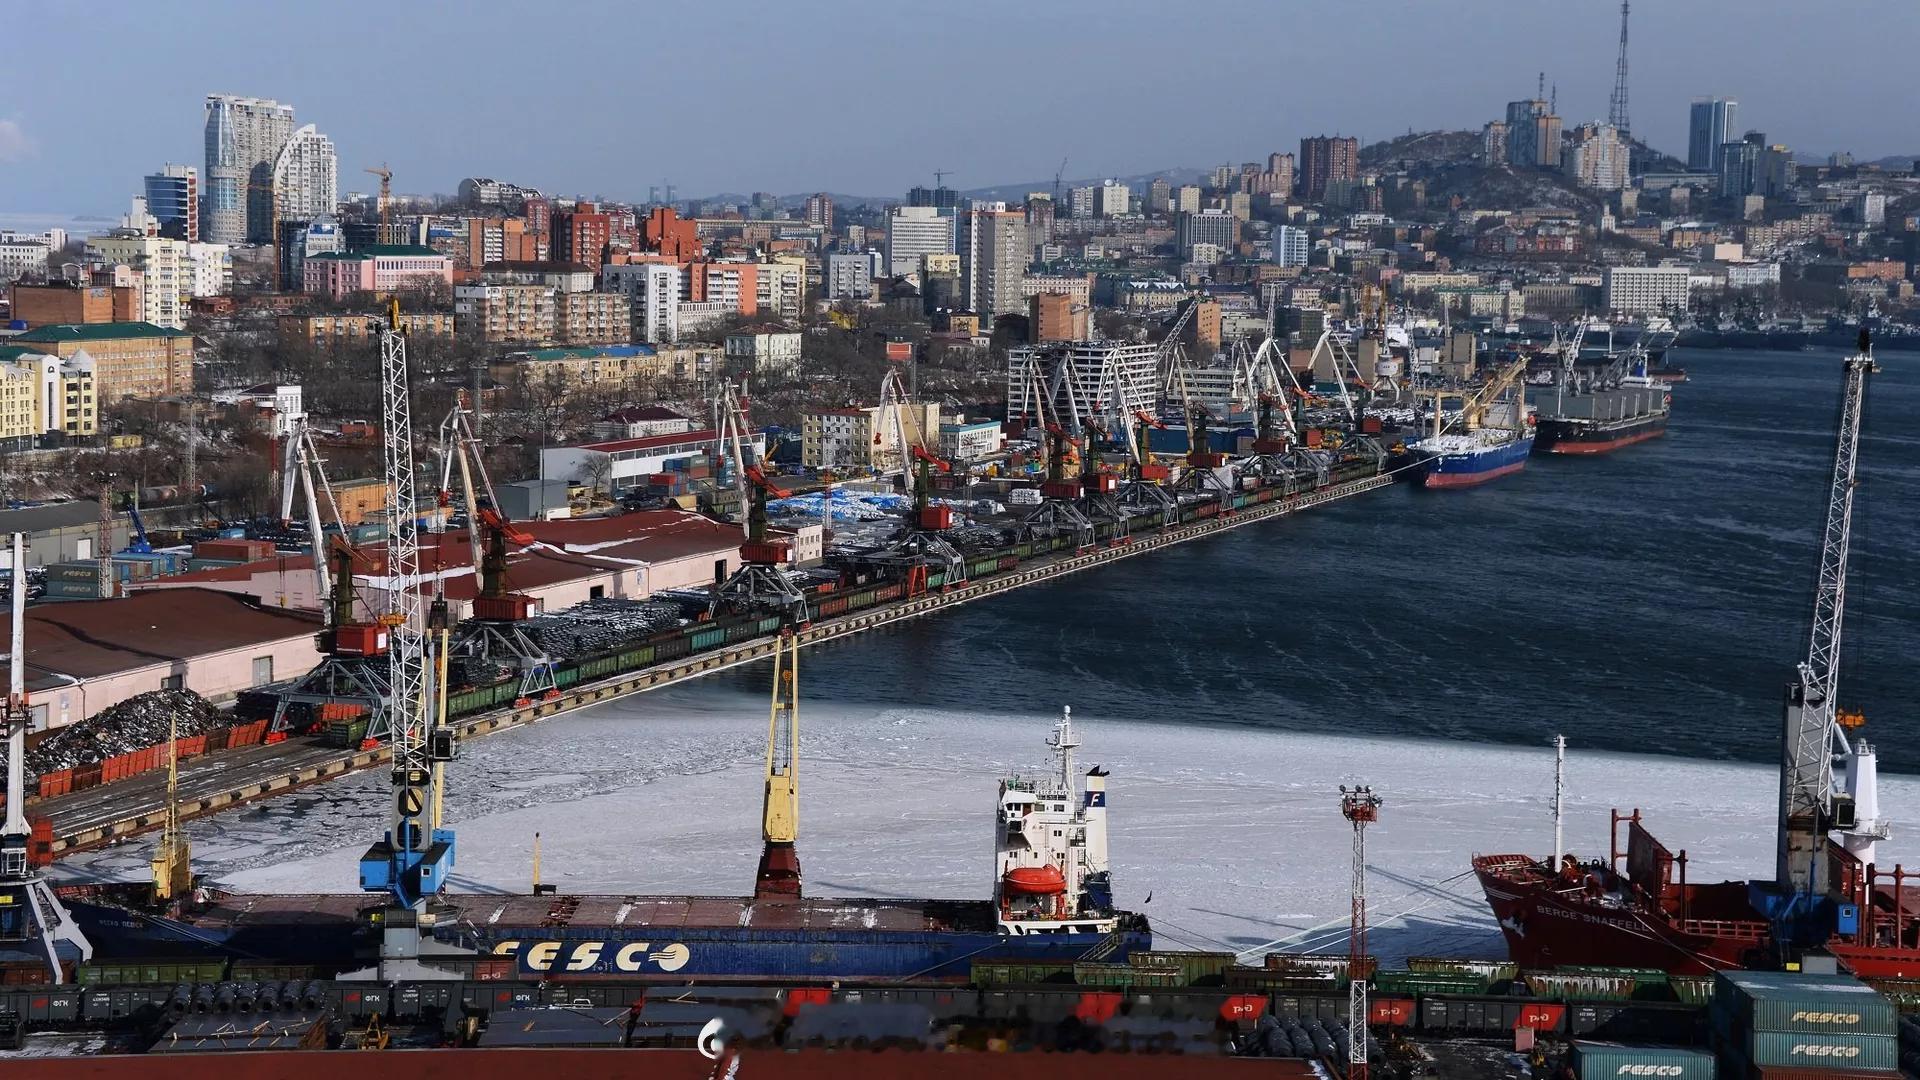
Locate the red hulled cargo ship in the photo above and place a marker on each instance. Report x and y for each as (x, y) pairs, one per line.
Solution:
(1639, 909)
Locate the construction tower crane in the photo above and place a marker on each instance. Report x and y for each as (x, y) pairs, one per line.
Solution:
(1809, 807)
(32, 919)
(778, 877)
(411, 862)
(386, 197)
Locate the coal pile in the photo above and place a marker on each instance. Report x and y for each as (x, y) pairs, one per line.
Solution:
(597, 626)
(134, 724)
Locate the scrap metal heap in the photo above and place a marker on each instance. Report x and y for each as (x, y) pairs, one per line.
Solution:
(32, 920)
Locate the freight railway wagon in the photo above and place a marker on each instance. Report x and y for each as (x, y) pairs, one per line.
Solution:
(857, 592)
(260, 993)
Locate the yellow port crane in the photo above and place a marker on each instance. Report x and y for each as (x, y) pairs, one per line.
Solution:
(779, 873)
(1474, 406)
(386, 197)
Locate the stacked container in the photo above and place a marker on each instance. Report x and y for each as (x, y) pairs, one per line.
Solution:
(1782, 1025)
(1594, 1060)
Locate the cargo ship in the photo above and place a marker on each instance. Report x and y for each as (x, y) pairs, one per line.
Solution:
(1596, 410)
(1829, 894)
(1052, 901)
(1495, 436)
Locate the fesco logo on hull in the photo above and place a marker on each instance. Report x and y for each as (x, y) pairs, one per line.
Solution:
(578, 956)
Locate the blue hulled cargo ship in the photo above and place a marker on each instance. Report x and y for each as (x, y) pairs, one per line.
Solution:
(1052, 901)
(1449, 461)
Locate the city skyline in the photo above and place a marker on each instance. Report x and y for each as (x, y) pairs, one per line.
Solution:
(1129, 92)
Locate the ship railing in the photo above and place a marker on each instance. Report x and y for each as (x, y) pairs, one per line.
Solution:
(1742, 929)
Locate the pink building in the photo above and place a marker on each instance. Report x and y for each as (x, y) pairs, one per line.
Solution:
(378, 269)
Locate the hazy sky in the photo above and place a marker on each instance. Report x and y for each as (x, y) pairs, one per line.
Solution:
(870, 96)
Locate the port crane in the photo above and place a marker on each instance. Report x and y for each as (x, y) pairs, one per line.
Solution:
(410, 864)
(1798, 900)
(761, 582)
(1474, 408)
(1057, 513)
(31, 916)
(778, 876)
(730, 431)
(922, 548)
(460, 447)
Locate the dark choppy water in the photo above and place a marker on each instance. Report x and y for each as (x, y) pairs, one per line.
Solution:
(1653, 600)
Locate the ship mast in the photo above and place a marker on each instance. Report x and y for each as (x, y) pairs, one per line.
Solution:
(1808, 806)
(1559, 798)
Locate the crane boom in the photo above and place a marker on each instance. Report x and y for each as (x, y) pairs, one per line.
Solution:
(779, 873)
(1811, 724)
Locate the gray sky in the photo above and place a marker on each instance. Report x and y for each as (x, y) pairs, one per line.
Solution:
(593, 97)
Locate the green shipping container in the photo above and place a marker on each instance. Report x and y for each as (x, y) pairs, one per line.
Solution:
(1857, 1053)
(1792, 1001)
(1594, 1060)
(707, 639)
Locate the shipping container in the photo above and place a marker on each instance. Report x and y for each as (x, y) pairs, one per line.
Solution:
(1597, 1060)
(1790, 1001)
(1803, 1050)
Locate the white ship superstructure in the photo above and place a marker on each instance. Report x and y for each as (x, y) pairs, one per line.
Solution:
(1050, 862)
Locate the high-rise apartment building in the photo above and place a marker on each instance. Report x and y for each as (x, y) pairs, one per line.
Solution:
(1598, 158)
(1533, 135)
(993, 258)
(580, 235)
(1186, 198)
(942, 197)
(1289, 245)
(1114, 199)
(1159, 196)
(1709, 128)
(913, 231)
(243, 140)
(306, 177)
(173, 198)
(1325, 160)
(653, 292)
(1741, 171)
(819, 210)
(847, 275)
(1216, 227)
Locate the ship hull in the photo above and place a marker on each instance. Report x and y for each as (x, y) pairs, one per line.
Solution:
(1567, 437)
(629, 937)
(1461, 470)
(1545, 929)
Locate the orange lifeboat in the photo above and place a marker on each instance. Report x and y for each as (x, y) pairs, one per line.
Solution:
(1034, 881)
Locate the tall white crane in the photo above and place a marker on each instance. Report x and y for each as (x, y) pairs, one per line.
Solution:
(1808, 808)
(730, 431)
(412, 861)
(460, 445)
(30, 914)
(303, 474)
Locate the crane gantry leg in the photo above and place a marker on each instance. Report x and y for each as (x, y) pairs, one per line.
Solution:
(779, 874)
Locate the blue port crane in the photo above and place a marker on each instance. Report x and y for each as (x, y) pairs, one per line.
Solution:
(138, 544)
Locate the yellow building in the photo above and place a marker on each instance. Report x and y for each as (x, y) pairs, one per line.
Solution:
(323, 329)
(863, 438)
(130, 359)
(42, 394)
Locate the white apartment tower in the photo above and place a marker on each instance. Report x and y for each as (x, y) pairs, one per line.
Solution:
(993, 259)
(913, 231)
(243, 140)
(306, 177)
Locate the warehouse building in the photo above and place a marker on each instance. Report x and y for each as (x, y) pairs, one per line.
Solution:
(630, 556)
(84, 656)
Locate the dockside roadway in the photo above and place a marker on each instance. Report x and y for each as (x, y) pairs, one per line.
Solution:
(220, 781)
